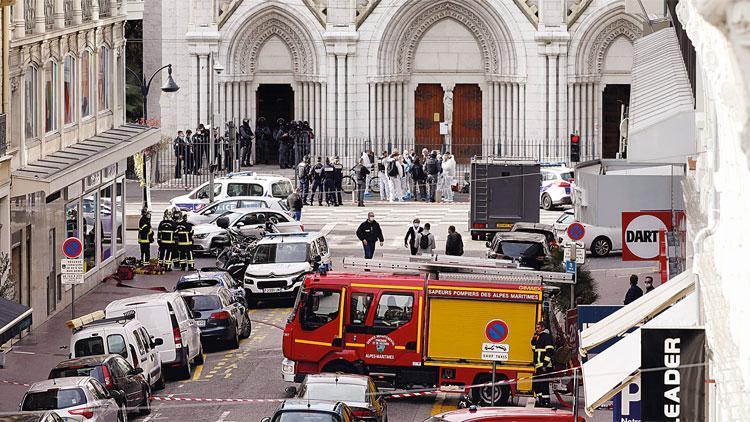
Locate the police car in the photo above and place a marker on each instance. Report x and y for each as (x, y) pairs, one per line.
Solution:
(235, 184)
(556, 186)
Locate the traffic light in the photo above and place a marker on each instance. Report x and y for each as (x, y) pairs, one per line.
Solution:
(575, 148)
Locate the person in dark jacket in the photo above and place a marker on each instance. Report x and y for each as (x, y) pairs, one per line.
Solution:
(543, 349)
(338, 181)
(167, 241)
(329, 183)
(454, 244)
(145, 236)
(432, 169)
(360, 173)
(649, 282)
(411, 240)
(420, 178)
(634, 292)
(246, 142)
(368, 233)
(282, 138)
(295, 203)
(179, 154)
(263, 137)
(316, 174)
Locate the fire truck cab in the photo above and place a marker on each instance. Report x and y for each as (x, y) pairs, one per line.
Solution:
(407, 331)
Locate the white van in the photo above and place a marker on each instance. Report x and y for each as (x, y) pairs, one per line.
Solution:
(125, 336)
(167, 317)
(235, 185)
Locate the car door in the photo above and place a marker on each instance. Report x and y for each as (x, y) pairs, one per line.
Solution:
(321, 322)
(393, 325)
(129, 383)
(188, 326)
(152, 358)
(105, 407)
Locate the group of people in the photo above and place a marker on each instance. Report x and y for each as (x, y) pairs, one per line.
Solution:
(174, 237)
(418, 239)
(323, 179)
(634, 292)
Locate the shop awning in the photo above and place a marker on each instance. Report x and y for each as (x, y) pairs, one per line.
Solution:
(661, 125)
(14, 318)
(638, 312)
(59, 169)
(602, 379)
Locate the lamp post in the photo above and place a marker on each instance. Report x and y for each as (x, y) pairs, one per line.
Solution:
(169, 86)
(217, 69)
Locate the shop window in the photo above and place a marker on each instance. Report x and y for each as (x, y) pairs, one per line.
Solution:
(103, 79)
(120, 212)
(31, 94)
(71, 219)
(106, 221)
(90, 217)
(87, 84)
(50, 98)
(69, 90)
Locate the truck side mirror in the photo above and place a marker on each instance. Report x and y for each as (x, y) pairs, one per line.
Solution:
(223, 222)
(158, 341)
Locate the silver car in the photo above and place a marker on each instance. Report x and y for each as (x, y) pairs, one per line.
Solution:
(75, 399)
(204, 234)
(220, 206)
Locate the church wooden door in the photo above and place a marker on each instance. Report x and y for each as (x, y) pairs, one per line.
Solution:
(428, 113)
(467, 122)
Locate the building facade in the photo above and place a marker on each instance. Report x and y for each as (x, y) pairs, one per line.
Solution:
(69, 144)
(503, 76)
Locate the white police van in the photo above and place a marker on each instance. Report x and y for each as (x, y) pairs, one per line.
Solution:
(245, 183)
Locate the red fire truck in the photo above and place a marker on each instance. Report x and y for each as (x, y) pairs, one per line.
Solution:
(408, 331)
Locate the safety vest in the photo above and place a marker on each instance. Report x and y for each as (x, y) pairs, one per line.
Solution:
(542, 347)
(145, 233)
(166, 232)
(183, 235)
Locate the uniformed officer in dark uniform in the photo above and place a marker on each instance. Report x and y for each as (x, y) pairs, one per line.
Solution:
(329, 183)
(317, 179)
(338, 179)
(145, 236)
(185, 243)
(166, 240)
(303, 177)
(543, 350)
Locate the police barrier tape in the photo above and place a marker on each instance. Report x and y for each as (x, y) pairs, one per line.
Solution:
(202, 399)
(9, 382)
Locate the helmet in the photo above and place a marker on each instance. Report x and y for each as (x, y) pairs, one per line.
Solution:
(167, 214)
(144, 211)
(184, 216)
(176, 215)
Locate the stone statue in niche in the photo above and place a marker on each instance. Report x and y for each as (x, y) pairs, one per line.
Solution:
(448, 113)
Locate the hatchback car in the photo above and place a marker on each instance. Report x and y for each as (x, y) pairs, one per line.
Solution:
(213, 210)
(529, 249)
(212, 278)
(75, 399)
(115, 374)
(357, 391)
(555, 188)
(218, 315)
(508, 414)
(205, 234)
(295, 410)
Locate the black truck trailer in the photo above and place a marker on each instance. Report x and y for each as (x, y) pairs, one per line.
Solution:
(503, 192)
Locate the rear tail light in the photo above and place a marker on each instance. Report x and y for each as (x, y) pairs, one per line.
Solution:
(177, 337)
(220, 315)
(360, 412)
(303, 227)
(563, 184)
(479, 225)
(86, 412)
(107, 377)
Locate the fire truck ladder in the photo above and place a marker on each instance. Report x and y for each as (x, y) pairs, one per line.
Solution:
(447, 267)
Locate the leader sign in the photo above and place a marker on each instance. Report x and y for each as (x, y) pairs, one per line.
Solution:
(640, 234)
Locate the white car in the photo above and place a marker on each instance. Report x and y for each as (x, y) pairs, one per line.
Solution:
(74, 399)
(204, 234)
(556, 187)
(280, 262)
(600, 241)
(235, 185)
(213, 210)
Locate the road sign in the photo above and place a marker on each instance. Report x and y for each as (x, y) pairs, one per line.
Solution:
(576, 231)
(71, 278)
(640, 234)
(496, 331)
(580, 252)
(72, 247)
(495, 351)
(570, 267)
(71, 266)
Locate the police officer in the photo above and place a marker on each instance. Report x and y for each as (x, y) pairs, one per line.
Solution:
(543, 350)
(317, 178)
(145, 236)
(166, 240)
(185, 243)
(338, 179)
(246, 142)
(303, 178)
(329, 183)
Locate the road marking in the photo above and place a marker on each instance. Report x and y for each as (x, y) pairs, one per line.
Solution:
(443, 403)
(327, 228)
(223, 416)
(199, 369)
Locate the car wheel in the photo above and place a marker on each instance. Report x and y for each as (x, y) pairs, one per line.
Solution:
(234, 342)
(185, 371)
(601, 246)
(547, 202)
(146, 405)
(199, 358)
(161, 382)
(251, 301)
(246, 327)
(483, 394)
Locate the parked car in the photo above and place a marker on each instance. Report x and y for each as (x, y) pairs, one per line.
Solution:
(508, 414)
(548, 230)
(279, 263)
(529, 249)
(599, 240)
(555, 189)
(311, 410)
(167, 316)
(125, 336)
(115, 374)
(75, 399)
(218, 314)
(235, 185)
(45, 416)
(218, 207)
(205, 234)
(212, 278)
(356, 391)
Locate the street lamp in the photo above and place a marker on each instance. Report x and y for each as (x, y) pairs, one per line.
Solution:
(169, 86)
(218, 69)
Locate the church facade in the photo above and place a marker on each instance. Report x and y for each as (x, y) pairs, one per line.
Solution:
(503, 77)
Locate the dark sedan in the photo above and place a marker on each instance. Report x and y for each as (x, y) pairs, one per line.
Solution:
(311, 411)
(218, 314)
(356, 391)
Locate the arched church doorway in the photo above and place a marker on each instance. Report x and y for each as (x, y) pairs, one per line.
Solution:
(614, 97)
(274, 101)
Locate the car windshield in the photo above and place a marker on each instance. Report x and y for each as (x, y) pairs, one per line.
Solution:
(203, 303)
(305, 416)
(78, 371)
(194, 284)
(567, 176)
(53, 399)
(519, 249)
(334, 392)
(566, 218)
(280, 253)
(281, 189)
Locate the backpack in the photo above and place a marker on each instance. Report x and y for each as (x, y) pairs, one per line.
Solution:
(392, 169)
(424, 241)
(431, 166)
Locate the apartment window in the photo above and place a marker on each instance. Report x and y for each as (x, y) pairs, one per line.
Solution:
(86, 84)
(69, 84)
(103, 79)
(31, 92)
(50, 97)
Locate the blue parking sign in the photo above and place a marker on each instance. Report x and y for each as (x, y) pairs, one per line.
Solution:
(626, 405)
(570, 267)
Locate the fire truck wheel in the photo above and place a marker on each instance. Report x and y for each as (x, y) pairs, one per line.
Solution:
(483, 395)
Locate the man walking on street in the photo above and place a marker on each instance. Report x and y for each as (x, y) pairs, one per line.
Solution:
(295, 203)
(368, 233)
(361, 172)
(411, 240)
(543, 349)
(426, 241)
(634, 292)
(145, 236)
(454, 244)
